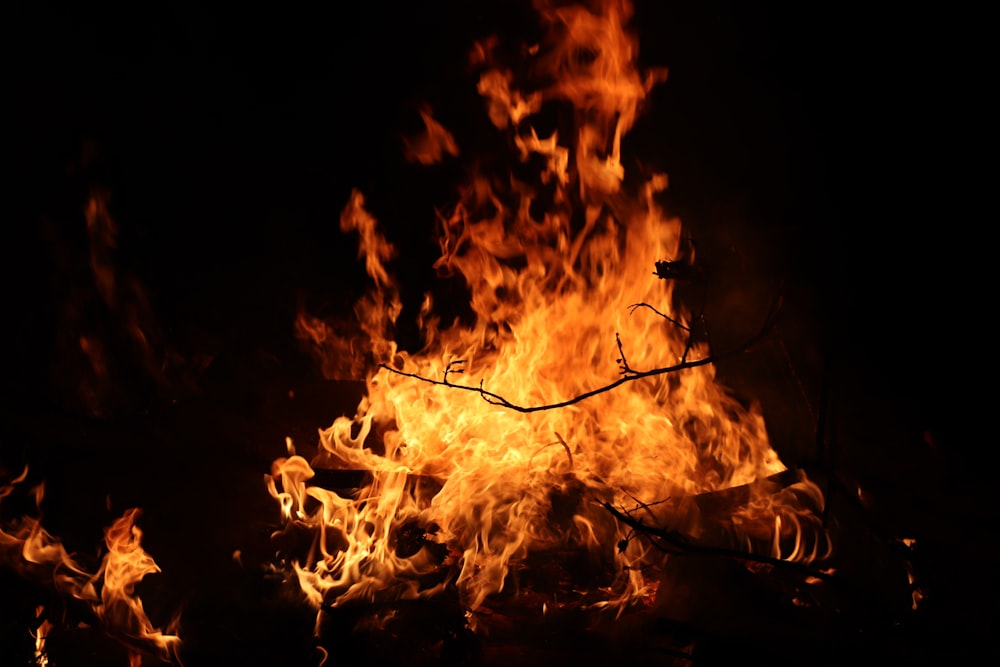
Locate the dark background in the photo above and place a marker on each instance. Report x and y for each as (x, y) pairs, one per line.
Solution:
(825, 147)
(820, 139)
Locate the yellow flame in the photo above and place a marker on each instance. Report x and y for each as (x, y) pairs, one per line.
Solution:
(125, 565)
(29, 548)
(26, 545)
(40, 635)
(554, 265)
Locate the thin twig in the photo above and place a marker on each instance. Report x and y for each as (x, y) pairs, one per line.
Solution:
(636, 306)
(453, 367)
(566, 447)
(496, 399)
(623, 366)
(688, 342)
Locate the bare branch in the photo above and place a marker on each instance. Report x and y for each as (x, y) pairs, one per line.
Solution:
(635, 306)
(566, 447)
(623, 366)
(453, 367)
(630, 376)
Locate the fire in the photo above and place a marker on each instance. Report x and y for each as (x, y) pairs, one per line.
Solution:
(431, 146)
(26, 543)
(111, 318)
(124, 566)
(41, 657)
(109, 592)
(579, 384)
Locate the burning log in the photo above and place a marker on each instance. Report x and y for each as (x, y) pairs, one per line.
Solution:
(717, 523)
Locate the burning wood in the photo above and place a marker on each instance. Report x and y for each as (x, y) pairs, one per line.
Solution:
(105, 597)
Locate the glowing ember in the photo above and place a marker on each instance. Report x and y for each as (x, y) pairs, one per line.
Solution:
(524, 460)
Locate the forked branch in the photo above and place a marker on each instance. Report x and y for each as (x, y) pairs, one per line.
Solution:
(627, 373)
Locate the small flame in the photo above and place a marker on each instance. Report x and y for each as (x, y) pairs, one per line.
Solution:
(40, 634)
(433, 144)
(30, 549)
(26, 545)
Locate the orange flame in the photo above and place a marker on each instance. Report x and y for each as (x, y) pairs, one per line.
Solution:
(431, 146)
(124, 566)
(555, 264)
(27, 547)
(40, 635)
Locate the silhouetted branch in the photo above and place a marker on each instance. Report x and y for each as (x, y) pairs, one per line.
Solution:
(566, 447)
(453, 367)
(691, 332)
(628, 374)
(623, 366)
(670, 541)
(635, 306)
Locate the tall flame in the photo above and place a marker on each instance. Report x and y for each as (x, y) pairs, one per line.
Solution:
(124, 566)
(471, 480)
